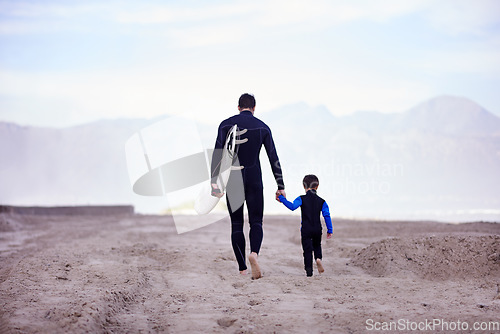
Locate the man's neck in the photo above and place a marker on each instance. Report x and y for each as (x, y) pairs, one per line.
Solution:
(247, 109)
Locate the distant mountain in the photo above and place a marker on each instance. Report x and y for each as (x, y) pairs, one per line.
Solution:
(438, 159)
(78, 165)
(451, 115)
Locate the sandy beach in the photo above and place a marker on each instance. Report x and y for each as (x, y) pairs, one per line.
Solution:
(135, 274)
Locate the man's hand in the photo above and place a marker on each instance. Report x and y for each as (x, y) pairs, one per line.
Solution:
(216, 191)
(329, 235)
(280, 192)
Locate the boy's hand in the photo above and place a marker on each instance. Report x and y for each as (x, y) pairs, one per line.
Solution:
(329, 235)
(278, 193)
(216, 191)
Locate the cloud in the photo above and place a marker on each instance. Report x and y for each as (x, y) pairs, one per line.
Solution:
(449, 16)
(271, 12)
(25, 18)
(232, 22)
(23, 9)
(464, 16)
(277, 12)
(206, 35)
(154, 14)
(217, 24)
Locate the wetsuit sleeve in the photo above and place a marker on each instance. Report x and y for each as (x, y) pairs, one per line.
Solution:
(273, 160)
(326, 214)
(292, 206)
(217, 154)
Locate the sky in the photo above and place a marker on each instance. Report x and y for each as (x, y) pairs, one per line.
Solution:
(64, 63)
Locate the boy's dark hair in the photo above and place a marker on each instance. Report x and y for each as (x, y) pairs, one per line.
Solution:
(246, 101)
(310, 181)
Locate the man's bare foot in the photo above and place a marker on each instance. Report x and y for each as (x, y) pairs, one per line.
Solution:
(243, 272)
(320, 266)
(256, 274)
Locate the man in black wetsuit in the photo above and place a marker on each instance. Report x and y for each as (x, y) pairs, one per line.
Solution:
(258, 134)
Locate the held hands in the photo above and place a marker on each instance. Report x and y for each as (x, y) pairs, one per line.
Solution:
(216, 191)
(280, 192)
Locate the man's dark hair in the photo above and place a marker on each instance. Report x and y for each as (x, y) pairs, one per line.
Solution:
(246, 101)
(310, 181)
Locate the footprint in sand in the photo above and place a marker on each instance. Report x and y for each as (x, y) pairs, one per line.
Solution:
(238, 285)
(254, 302)
(226, 322)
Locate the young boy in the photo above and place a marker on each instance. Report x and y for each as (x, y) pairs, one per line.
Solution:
(311, 206)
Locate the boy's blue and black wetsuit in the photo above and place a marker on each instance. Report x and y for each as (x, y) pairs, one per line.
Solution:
(258, 134)
(311, 206)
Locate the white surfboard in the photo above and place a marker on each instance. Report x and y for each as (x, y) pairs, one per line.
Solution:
(205, 202)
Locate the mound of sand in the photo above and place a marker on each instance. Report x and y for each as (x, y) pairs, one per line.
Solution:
(8, 224)
(433, 257)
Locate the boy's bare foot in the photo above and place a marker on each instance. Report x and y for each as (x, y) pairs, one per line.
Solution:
(243, 272)
(256, 274)
(320, 266)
